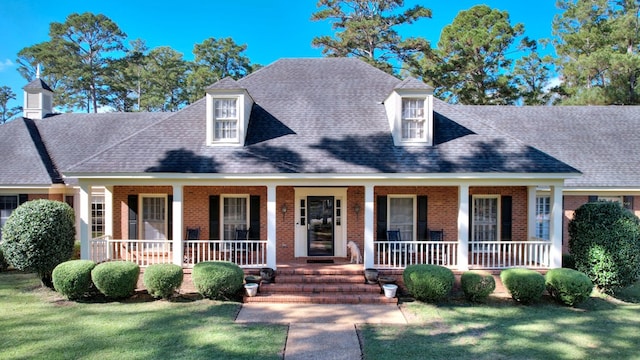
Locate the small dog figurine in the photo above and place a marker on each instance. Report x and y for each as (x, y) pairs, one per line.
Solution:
(355, 252)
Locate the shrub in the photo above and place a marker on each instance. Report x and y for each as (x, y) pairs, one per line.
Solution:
(568, 286)
(162, 280)
(3, 263)
(38, 236)
(568, 261)
(477, 285)
(219, 280)
(604, 239)
(116, 279)
(524, 285)
(428, 282)
(76, 251)
(73, 278)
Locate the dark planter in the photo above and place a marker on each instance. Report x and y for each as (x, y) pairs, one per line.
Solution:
(268, 275)
(371, 276)
(382, 280)
(252, 279)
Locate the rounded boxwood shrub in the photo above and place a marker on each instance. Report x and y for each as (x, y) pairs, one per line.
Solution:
(604, 239)
(3, 263)
(568, 286)
(524, 285)
(477, 285)
(162, 280)
(73, 278)
(116, 279)
(38, 236)
(428, 282)
(218, 280)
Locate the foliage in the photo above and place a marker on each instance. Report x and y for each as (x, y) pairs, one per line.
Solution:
(428, 282)
(532, 74)
(162, 280)
(218, 280)
(470, 65)
(597, 42)
(524, 285)
(38, 236)
(604, 239)
(568, 261)
(215, 59)
(367, 30)
(568, 286)
(73, 278)
(477, 285)
(6, 113)
(3, 263)
(116, 279)
(163, 79)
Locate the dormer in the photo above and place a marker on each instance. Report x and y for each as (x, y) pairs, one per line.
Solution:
(228, 110)
(38, 99)
(410, 113)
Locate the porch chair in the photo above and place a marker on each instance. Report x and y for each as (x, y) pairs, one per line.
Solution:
(242, 234)
(438, 235)
(394, 235)
(192, 233)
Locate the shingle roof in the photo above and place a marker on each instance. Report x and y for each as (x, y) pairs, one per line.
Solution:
(320, 116)
(600, 141)
(37, 84)
(23, 163)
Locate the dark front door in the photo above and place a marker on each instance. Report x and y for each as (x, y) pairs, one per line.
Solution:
(320, 225)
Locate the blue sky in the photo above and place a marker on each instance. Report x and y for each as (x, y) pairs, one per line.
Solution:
(271, 29)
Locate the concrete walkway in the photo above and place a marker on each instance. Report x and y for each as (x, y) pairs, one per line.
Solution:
(321, 331)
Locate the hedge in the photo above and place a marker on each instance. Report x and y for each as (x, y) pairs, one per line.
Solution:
(116, 279)
(73, 278)
(568, 286)
(477, 285)
(218, 280)
(524, 285)
(162, 280)
(428, 282)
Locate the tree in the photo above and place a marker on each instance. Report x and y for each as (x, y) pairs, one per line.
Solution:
(163, 80)
(6, 113)
(597, 42)
(77, 57)
(366, 29)
(533, 74)
(38, 236)
(124, 78)
(215, 59)
(470, 64)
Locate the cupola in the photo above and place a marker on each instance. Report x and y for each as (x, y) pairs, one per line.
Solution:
(38, 98)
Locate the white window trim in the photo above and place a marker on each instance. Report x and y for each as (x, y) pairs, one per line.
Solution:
(546, 220)
(141, 212)
(422, 120)
(234, 196)
(498, 214)
(241, 108)
(414, 215)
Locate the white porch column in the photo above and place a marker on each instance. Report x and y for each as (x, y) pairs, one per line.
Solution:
(85, 220)
(178, 224)
(108, 211)
(271, 227)
(463, 227)
(555, 227)
(531, 211)
(368, 226)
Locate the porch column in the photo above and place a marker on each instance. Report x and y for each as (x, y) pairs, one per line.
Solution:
(108, 211)
(555, 227)
(178, 224)
(531, 211)
(85, 220)
(271, 226)
(368, 259)
(463, 227)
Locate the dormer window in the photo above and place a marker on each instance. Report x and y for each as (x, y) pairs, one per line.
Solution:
(413, 120)
(226, 120)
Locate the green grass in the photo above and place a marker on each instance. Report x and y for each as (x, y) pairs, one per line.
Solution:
(36, 323)
(599, 328)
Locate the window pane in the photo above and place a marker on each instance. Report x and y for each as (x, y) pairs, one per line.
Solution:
(412, 118)
(234, 216)
(401, 217)
(543, 206)
(7, 205)
(153, 218)
(485, 219)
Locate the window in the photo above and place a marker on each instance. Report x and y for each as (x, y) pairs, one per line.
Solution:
(543, 208)
(234, 215)
(7, 205)
(97, 215)
(225, 119)
(401, 216)
(154, 215)
(413, 119)
(485, 218)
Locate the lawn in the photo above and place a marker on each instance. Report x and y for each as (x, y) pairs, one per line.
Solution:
(600, 328)
(36, 323)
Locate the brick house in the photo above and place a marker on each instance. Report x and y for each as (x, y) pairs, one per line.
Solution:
(304, 155)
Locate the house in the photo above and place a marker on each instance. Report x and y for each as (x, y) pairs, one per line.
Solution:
(296, 159)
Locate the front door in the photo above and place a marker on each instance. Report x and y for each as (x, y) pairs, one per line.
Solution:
(320, 225)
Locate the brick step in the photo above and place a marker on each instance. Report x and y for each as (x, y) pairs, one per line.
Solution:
(320, 279)
(297, 288)
(322, 299)
(319, 271)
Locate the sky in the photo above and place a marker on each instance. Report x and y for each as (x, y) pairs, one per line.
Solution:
(271, 29)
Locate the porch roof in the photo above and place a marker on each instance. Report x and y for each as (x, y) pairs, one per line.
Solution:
(319, 116)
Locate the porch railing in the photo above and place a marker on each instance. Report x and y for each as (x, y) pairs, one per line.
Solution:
(505, 254)
(244, 253)
(400, 254)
